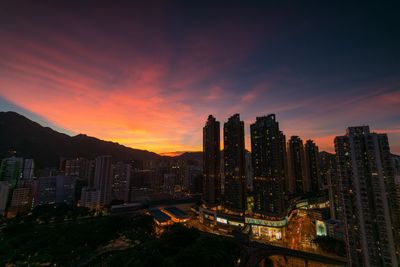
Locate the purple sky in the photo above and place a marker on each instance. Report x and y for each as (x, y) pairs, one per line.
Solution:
(148, 76)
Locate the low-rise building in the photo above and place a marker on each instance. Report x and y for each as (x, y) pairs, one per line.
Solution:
(90, 198)
(21, 201)
(55, 189)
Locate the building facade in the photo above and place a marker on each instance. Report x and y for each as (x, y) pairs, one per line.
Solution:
(103, 178)
(80, 167)
(365, 174)
(11, 170)
(120, 181)
(268, 160)
(21, 200)
(54, 189)
(211, 162)
(297, 182)
(330, 183)
(90, 198)
(234, 161)
(312, 173)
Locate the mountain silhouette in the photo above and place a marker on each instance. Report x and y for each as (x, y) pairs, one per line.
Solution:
(28, 139)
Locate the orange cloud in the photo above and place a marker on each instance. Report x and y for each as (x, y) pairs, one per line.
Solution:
(146, 93)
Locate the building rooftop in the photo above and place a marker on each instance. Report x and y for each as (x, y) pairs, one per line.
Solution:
(159, 216)
(177, 212)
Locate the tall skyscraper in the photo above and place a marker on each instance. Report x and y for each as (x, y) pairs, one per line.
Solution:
(366, 177)
(312, 173)
(211, 162)
(329, 178)
(269, 158)
(234, 160)
(103, 178)
(296, 166)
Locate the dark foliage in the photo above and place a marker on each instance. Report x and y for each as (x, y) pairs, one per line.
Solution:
(61, 235)
(331, 245)
(178, 246)
(67, 236)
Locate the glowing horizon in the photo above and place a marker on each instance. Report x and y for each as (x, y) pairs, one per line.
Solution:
(149, 77)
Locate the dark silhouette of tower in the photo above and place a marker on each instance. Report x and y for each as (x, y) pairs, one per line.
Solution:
(211, 162)
(296, 166)
(234, 161)
(269, 160)
(312, 173)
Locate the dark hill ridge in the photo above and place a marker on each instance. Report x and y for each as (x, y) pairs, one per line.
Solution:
(191, 155)
(30, 139)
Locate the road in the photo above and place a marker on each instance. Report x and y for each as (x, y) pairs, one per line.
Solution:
(299, 234)
(297, 243)
(329, 260)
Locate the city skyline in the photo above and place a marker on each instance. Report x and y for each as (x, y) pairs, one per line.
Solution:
(147, 77)
(199, 133)
(287, 205)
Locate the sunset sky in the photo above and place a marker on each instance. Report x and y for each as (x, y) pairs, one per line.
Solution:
(147, 76)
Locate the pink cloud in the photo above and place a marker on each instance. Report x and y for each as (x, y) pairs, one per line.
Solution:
(154, 96)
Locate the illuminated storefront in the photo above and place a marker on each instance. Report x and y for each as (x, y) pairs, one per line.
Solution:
(322, 205)
(268, 233)
(267, 229)
(226, 220)
(220, 219)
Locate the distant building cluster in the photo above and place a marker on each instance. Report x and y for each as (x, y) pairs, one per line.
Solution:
(95, 183)
(262, 189)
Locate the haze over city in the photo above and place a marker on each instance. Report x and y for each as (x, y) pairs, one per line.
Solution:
(147, 75)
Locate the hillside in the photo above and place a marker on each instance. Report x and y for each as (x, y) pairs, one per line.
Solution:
(31, 140)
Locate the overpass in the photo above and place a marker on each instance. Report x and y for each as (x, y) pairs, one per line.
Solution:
(255, 252)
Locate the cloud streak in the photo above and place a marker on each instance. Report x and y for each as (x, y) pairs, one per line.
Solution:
(149, 80)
